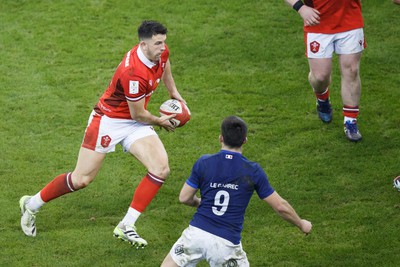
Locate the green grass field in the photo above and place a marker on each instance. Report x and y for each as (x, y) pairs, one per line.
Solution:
(232, 57)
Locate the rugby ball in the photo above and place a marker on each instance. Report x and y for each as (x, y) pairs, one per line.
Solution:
(174, 106)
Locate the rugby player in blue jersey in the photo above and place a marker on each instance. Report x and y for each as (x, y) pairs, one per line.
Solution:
(226, 181)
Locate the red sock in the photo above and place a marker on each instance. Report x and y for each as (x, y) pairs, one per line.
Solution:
(322, 96)
(351, 112)
(146, 191)
(60, 185)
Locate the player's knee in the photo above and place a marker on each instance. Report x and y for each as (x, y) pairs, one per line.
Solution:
(81, 181)
(350, 67)
(161, 171)
(320, 77)
(352, 72)
(164, 172)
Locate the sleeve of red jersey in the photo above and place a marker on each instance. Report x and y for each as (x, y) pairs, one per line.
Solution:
(134, 87)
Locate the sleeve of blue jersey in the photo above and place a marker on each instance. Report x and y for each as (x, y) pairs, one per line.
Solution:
(263, 187)
(189, 183)
(193, 180)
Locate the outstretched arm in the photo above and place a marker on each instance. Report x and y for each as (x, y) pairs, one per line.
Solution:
(309, 15)
(285, 210)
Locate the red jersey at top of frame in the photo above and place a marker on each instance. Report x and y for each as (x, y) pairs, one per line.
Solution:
(135, 78)
(336, 16)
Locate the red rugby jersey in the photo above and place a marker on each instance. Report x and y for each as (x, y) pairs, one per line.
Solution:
(135, 78)
(336, 16)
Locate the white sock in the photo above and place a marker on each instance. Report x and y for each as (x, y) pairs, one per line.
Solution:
(350, 119)
(35, 203)
(131, 216)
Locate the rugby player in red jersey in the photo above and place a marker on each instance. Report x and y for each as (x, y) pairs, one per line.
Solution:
(334, 27)
(121, 117)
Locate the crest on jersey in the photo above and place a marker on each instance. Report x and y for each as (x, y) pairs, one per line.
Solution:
(314, 46)
(133, 87)
(105, 141)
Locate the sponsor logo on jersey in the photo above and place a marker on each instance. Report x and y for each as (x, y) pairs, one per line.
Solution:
(133, 87)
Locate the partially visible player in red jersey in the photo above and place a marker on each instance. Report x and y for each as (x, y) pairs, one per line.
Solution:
(121, 117)
(334, 27)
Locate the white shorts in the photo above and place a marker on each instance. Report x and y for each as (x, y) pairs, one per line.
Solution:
(321, 45)
(104, 133)
(195, 245)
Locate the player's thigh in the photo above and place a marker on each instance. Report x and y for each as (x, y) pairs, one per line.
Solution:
(88, 164)
(350, 63)
(320, 68)
(151, 152)
(169, 262)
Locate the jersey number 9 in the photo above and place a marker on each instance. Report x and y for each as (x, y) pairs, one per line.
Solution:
(221, 202)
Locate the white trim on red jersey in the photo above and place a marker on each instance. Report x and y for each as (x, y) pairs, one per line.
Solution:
(144, 59)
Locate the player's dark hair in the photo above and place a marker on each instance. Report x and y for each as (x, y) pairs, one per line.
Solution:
(234, 131)
(148, 28)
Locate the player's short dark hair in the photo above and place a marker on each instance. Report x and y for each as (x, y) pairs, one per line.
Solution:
(148, 28)
(234, 131)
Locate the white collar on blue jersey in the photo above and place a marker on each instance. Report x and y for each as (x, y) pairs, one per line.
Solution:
(144, 59)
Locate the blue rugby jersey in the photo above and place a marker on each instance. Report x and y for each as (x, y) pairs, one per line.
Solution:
(226, 181)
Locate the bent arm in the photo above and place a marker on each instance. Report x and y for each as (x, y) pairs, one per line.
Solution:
(188, 196)
(309, 15)
(140, 114)
(169, 83)
(286, 211)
